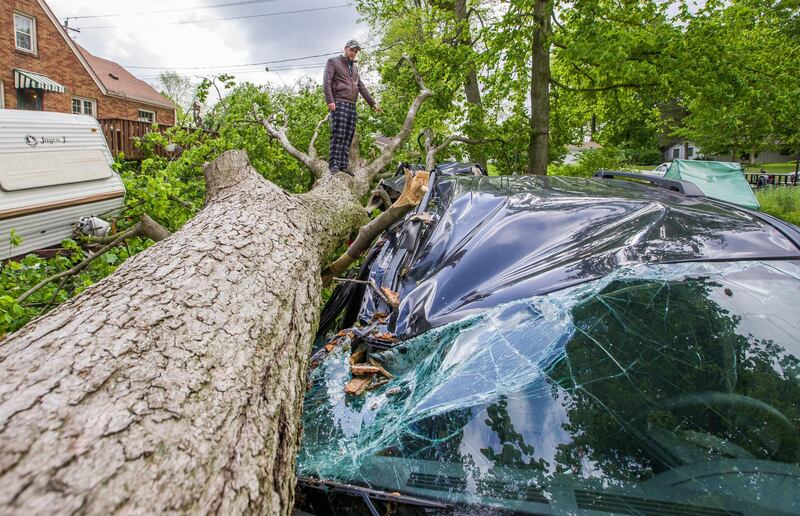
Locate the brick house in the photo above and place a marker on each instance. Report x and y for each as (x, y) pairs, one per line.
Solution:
(41, 68)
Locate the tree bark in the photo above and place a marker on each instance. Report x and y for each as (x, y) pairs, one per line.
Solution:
(472, 90)
(540, 89)
(176, 384)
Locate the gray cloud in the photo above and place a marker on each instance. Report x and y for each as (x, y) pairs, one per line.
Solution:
(249, 40)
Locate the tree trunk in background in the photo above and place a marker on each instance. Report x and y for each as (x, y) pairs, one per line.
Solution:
(472, 89)
(540, 89)
(176, 384)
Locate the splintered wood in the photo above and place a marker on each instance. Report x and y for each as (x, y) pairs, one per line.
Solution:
(360, 369)
(367, 375)
(380, 369)
(357, 385)
(391, 297)
(358, 356)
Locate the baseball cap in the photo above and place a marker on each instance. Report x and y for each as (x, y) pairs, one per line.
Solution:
(352, 44)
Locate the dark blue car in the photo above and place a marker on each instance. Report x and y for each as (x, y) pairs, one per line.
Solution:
(561, 346)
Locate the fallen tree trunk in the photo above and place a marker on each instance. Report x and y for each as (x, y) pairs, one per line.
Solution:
(176, 384)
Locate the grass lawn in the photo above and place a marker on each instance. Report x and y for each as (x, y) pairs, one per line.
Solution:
(781, 201)
(776, 168)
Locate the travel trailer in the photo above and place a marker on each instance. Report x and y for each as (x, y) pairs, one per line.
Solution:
(55, 168)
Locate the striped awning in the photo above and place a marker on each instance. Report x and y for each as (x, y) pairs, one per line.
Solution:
(24, 79)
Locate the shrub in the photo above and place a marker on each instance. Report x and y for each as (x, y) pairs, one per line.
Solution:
(590, 162)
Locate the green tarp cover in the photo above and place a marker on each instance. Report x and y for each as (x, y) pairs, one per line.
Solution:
(717, 179)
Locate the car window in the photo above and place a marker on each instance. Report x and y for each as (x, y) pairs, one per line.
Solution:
(676, 386)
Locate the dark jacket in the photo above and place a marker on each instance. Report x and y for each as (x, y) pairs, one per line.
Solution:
(340, 84)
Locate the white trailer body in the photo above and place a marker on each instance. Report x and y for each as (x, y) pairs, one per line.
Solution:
(54, 169)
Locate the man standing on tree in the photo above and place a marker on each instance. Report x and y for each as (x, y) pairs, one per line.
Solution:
(342, 85)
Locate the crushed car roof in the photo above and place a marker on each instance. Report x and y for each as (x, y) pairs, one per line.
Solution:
(483, 241)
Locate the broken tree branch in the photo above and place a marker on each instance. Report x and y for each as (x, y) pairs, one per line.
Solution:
(312, 146)
(380, 199)
(317, 167)
(414, 190)
(431, 151)
(371, 284)
(146, 227)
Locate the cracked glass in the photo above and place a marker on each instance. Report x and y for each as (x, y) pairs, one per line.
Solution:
(666, 389)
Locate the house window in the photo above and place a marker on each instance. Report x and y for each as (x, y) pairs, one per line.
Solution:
(690, 152)
(676, 153)
(147, 116)
(30, 99)
(25, 32)
(83, 106)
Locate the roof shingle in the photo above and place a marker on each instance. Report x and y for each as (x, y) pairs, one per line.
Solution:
(121, 83)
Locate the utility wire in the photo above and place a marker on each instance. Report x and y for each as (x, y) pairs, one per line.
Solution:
(280, 69)
(192, 22)
(174, 10)
(231, 66)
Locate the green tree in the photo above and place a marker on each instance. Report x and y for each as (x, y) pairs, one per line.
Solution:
(740, 86)
(180, 90)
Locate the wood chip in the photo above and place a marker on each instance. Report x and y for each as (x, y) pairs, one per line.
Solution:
(329, 347)
(375, 385)
(358, 356)
(392, 297)
(425, 218)
(393, 391)
(357, 386)
(380, 369)
(385, 336)
(360, 369)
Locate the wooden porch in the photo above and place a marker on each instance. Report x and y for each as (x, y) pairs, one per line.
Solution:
(119, 135)
(759, 179)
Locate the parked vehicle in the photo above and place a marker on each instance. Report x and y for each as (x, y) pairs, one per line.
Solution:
(659, 170)
(54, 169)
(561, 346)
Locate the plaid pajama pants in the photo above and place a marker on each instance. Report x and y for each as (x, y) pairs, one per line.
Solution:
(343, 127)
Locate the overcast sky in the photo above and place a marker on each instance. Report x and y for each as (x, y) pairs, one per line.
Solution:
(180, 39)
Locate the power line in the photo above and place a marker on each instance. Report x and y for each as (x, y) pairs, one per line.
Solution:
(191, 22)
(176, 68)
(243, 72)
(199, 7)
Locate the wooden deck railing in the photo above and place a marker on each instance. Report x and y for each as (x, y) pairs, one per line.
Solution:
(119, 134)
(775, 179)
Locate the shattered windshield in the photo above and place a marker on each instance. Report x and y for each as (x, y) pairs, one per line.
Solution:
(664, 389)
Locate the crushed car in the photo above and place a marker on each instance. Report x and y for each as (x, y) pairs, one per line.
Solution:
(561, 345)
